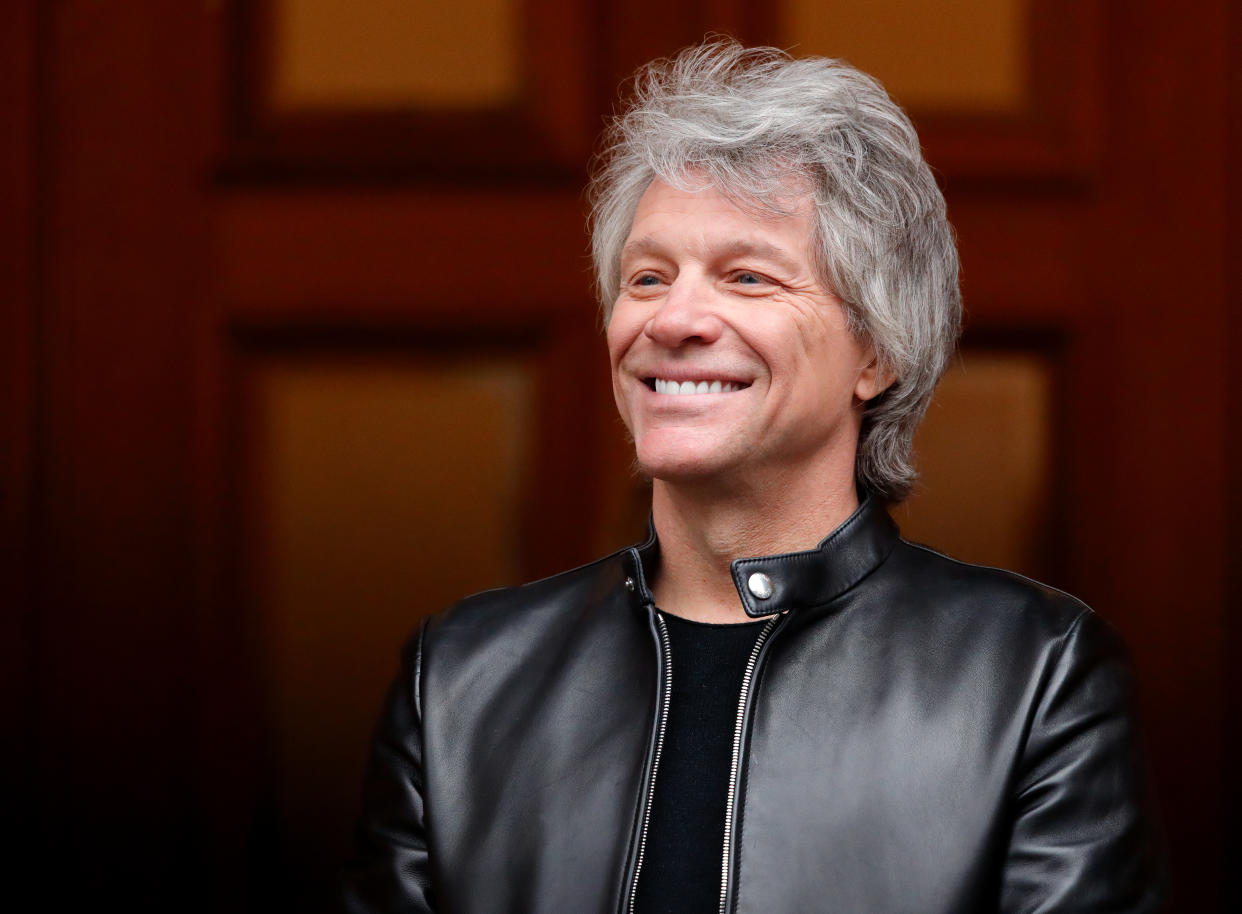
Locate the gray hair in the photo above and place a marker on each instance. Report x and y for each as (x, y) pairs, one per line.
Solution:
(743, 121)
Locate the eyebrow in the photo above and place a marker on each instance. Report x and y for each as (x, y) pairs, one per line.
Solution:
(740, 248)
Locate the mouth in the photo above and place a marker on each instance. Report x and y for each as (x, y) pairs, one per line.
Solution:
(674, 388)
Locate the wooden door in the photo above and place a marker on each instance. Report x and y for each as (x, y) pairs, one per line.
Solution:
(299, 345)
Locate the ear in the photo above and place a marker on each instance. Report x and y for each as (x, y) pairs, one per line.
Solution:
(874, 378)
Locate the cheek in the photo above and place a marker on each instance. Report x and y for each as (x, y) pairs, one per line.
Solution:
(787, 346)
(824, 340)
(624, 327)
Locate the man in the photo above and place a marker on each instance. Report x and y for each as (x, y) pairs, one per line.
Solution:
(775, 704)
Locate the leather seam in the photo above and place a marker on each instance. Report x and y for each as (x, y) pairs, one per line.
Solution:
(1004, 571)
(1054, 661)
(416, 685)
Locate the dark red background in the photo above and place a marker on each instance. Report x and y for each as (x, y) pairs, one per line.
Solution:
(158, 224)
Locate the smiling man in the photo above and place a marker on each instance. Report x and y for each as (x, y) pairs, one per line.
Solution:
(775, 704)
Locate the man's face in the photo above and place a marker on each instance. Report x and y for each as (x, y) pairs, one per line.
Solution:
(730, 359)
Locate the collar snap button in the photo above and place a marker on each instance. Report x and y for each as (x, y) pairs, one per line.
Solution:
(760, 585)
(629, 584)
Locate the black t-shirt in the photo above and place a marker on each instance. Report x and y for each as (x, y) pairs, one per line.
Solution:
(685, 836)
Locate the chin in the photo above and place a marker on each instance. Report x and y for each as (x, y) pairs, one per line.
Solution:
(680, 466)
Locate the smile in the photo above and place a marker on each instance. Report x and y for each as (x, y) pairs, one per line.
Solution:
(685, 388)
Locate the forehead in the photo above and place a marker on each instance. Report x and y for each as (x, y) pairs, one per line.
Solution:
(703, 217)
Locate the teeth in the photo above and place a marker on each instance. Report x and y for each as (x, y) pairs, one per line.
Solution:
(681, 388)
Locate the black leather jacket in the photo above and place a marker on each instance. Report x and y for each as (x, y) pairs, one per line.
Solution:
(916, 735)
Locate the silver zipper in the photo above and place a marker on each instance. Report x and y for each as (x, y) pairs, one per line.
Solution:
(655, 764)
(730, 802)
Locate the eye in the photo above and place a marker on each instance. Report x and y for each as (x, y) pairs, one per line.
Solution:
(750, 279)
(644, 282)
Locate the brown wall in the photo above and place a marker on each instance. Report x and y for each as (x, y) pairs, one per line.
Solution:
(284, 336)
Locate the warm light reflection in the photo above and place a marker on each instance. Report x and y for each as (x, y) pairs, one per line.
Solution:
(394, 54)
(985, 457)
(952, 55)
(387, 490)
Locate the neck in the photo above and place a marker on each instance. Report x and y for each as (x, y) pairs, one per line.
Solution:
(704, 527)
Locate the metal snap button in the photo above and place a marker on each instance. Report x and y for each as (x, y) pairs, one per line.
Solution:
(629, 584)
(760, 585)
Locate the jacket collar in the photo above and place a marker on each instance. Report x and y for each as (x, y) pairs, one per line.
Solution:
(792, 580)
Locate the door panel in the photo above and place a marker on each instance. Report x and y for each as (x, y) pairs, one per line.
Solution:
(249, 304)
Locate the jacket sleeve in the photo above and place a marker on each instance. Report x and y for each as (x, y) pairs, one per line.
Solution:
(389, 871)
(1085, 837)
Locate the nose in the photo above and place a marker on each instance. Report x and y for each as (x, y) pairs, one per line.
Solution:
(685, 315)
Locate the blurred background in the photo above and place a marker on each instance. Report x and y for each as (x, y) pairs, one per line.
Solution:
(298, 345)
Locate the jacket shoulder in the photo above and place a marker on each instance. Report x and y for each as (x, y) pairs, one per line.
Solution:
(982, 589)
(504, 613)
